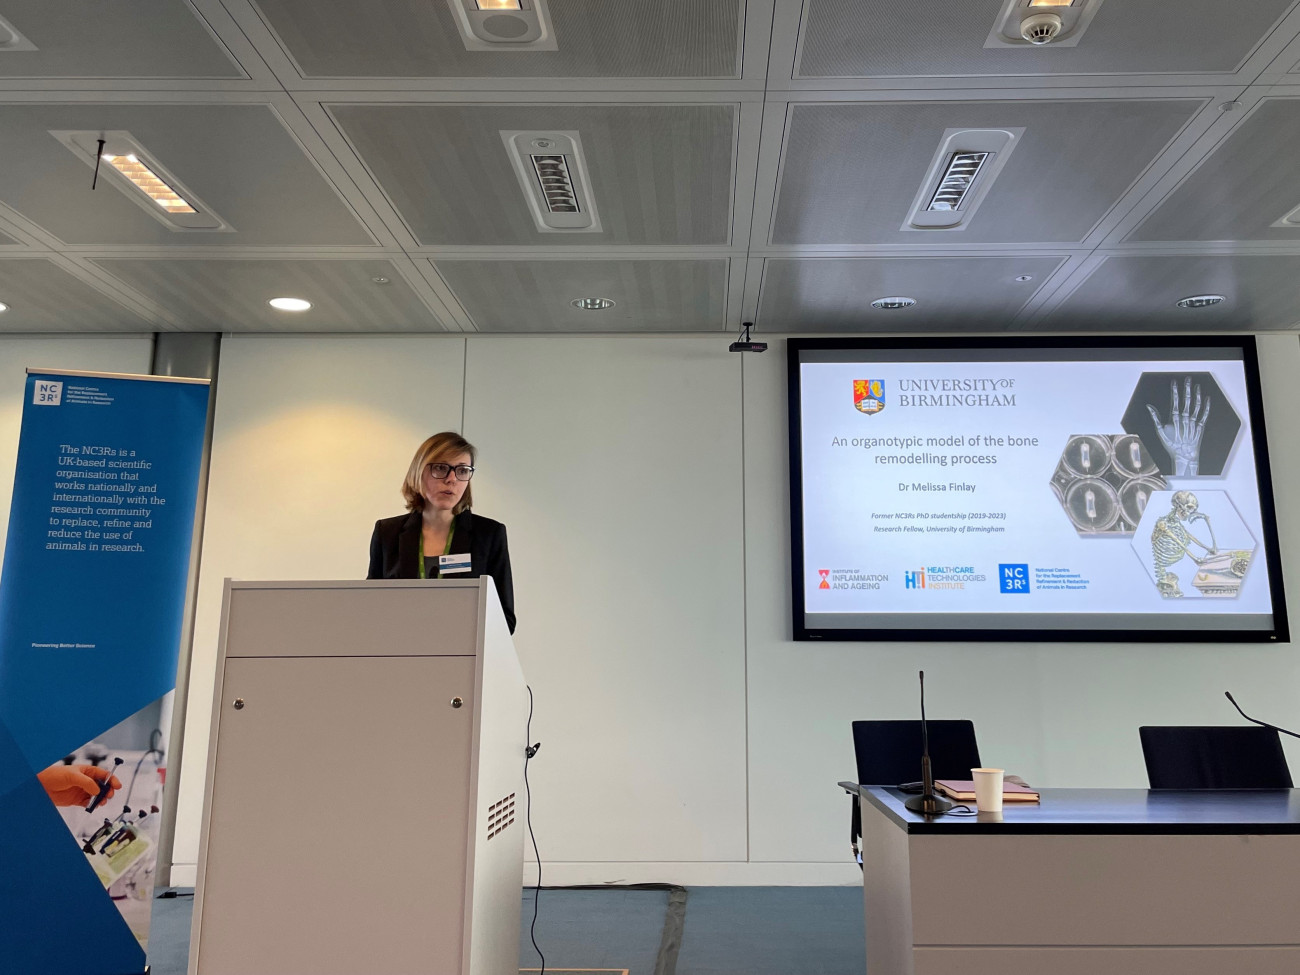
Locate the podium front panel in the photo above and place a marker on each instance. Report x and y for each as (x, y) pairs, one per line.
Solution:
(342, 793)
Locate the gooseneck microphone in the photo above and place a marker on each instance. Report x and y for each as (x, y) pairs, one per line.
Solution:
(927, 803)
(1263, 724)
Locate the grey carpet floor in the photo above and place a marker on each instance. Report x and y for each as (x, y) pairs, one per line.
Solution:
(727, 931)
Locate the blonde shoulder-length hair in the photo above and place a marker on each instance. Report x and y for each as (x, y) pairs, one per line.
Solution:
(437, 447)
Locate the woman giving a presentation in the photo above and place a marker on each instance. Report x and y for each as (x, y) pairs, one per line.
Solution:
(440, 538)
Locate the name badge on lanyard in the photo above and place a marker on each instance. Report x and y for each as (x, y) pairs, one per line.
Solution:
(451, 564)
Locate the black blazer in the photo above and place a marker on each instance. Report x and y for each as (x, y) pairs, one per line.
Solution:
(395, 552)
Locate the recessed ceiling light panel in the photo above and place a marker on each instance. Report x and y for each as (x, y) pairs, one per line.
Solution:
(11, 40)
(1200, 301)
(552, 171)
(504, 25)
(289, 304)
(130, 168)
(592, 304)
(1008, 29)
(893, 303)
(959, 176)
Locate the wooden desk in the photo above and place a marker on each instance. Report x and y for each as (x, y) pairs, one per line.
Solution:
(1090, 881)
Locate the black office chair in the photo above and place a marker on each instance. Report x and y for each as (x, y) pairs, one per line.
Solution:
(889, 753)
(1214, 757)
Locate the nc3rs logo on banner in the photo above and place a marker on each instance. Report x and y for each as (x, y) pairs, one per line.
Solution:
(869, 395)
(47, 393)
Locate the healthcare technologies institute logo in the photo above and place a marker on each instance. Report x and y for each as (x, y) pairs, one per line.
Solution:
(936, 578)
(869, 395)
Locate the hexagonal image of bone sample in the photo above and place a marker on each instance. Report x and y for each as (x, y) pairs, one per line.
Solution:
(1194, 544)
(1185, 420)
(1103, 482)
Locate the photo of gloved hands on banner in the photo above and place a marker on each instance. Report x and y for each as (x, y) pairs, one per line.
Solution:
(109, 793)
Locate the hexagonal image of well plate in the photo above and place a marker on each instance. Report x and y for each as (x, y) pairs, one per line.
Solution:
(1194, 544)
(1103, 482)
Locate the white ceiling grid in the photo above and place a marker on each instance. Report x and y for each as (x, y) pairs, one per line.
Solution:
(752, 160)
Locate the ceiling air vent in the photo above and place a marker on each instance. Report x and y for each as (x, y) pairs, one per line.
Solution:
(553, 175)
(959, 176)
(11, 40)
(504, 25)
(126, 165)
(1046, 24)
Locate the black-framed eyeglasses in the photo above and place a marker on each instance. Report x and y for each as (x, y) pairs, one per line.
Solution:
(439, 472)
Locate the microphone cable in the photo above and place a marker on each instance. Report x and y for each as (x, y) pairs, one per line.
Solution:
(530, 750)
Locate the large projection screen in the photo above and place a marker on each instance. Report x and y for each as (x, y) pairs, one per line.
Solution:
(1049, 489)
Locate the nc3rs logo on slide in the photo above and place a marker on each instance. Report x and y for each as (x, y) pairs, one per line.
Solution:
(1013, 578)
(869, 395)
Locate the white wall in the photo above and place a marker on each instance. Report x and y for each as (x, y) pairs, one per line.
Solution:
(686, 737)
(18, 353)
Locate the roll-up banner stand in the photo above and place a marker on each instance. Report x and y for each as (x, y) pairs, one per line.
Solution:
(91, 599)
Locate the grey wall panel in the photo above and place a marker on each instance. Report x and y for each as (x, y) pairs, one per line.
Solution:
(239, 159)
(851, 171)
(596, 38)
(660, 174)
(535, 296)
(852, 39)
(958, 294)
(230, 295)
(1241, 188)
(92, 39)
(42, 297)
(1140, 293)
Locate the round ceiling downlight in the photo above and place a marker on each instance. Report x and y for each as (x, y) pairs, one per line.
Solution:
(893, 303)
(592, 304)
(289, 304)
(1199, 301)
(3, 307)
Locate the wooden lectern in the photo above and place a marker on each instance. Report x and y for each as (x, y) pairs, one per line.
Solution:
(365, 794)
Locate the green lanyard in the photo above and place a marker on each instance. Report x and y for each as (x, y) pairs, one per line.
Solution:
(446, 551)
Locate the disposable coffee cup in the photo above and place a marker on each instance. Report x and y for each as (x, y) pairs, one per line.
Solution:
(988, 788)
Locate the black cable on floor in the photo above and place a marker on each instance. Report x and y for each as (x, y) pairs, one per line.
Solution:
(529, 751)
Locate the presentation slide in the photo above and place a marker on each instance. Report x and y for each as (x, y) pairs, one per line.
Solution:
(1049, 489)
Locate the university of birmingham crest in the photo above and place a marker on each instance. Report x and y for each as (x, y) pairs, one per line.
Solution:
(869, 395)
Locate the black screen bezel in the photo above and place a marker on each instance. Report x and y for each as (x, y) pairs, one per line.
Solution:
(1245, 344)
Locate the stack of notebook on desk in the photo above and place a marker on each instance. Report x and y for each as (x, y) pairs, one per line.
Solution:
(963, 790)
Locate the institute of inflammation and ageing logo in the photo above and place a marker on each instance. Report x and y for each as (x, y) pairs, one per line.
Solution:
(869, 395)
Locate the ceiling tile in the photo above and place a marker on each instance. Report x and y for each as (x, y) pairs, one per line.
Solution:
(1140, 293)
(232, 295)
(42, 297)
(1244, 186)
(660, 174)
(239, 159)
(851, 171)
(927, 38)
(830, 294)
(596, 38)
(536, 296)
(93, 39)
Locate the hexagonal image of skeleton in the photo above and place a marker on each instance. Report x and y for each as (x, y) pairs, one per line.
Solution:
(1185, 420)
(1104, 481)
(1194, 544)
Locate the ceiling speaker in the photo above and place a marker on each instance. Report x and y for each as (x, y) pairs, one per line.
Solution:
(506, 27)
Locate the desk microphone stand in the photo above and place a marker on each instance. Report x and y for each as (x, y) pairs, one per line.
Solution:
(928, 803)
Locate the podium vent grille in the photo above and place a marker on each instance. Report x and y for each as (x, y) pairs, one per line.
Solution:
(501, 814)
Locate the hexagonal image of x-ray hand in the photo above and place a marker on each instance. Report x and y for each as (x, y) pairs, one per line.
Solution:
(1184, 420)
(1194, 544)
(1103, 482)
